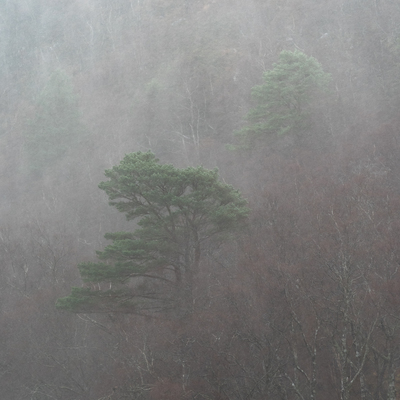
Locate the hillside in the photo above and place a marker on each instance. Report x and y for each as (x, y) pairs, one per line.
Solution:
(303, 302)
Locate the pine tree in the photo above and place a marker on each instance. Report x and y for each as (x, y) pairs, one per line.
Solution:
(177, 211)
(286, 98)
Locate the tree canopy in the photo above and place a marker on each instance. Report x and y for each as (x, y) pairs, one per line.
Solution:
(284, 101)
(177, 212)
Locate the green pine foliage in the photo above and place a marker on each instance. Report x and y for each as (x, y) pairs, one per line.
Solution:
(55, 125)
(286, 98)
(177, 212)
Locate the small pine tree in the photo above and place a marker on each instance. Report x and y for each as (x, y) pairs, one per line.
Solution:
(286, 98)
(177, 212)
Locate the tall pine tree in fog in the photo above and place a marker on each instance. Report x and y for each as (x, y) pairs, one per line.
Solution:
(178, 211)
(286, 98)
(55, 125)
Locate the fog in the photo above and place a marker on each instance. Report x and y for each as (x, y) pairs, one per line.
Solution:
(296, 104)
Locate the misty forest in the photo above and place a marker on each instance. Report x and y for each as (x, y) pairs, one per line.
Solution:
(200, 199)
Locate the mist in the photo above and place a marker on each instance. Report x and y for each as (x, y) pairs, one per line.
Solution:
(295, 103)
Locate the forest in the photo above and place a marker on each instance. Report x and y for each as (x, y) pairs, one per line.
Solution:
(200, 199)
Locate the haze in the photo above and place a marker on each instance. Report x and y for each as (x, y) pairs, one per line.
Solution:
(301, 303)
